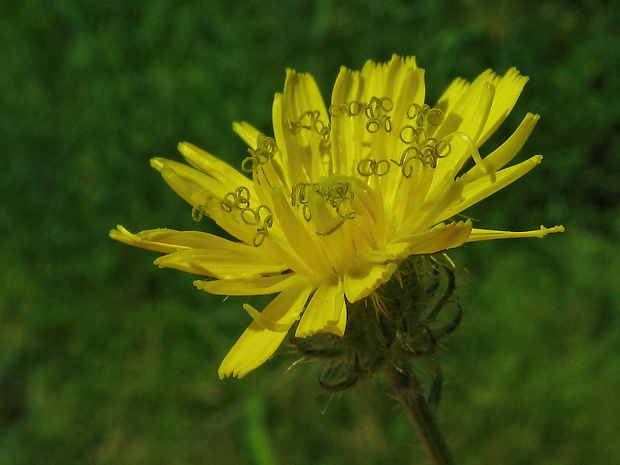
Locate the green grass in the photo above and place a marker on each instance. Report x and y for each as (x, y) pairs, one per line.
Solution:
(106, 359)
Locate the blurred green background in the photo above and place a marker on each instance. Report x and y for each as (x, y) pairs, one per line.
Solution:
(106, 359)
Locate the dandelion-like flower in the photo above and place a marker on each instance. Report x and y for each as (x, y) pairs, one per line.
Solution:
(340, 196)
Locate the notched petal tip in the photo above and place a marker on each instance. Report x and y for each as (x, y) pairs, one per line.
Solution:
(122, 235)
(190, 152)
(556, 229)
(514, 74)
(183, 146)
(228, 373)
(157, 164)
(119, 232)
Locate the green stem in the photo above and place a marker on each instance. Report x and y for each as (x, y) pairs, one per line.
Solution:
(408, 392)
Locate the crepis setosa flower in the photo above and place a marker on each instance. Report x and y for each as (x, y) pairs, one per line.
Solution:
(340, 195)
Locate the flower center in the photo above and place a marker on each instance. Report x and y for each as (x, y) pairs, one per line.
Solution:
(335, 192)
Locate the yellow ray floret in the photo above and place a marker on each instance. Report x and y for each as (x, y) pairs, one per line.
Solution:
(257, 343)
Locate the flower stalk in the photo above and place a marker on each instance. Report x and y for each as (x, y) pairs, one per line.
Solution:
(408, 391)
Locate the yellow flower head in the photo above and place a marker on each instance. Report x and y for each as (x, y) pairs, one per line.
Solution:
(340, 195)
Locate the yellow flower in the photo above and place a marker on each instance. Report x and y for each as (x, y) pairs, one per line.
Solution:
(340, 196)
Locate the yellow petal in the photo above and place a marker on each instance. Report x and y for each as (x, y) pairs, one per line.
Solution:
(234, 261)
(501, 156)
(465, 101)
(214, 167)
(441, 237)
(338, 327)
(412, 91)
(137, 240)
(324, 309)
(266, 323)
(304, 119)
(293, 171)
(481, 188)
(192, 185)
(305, 245)
(473, 111)
(247, 132)
(488, 234)
(508, 88)
(253, 286)
(388, 79)
(257, 344)
(364, 277)
(451, 95)
(432, 210)
(333, 242)
(343, 150)
(467, 121)
(280, 248)
(170, 240)
(201, 190)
